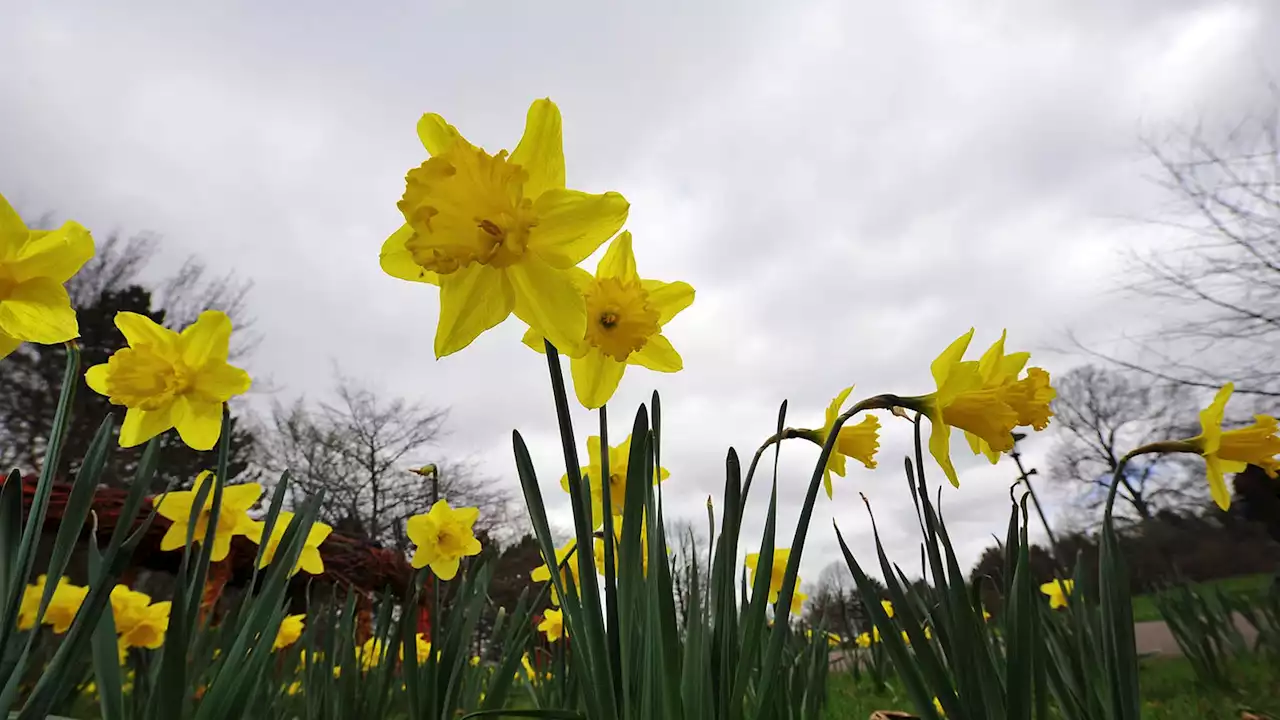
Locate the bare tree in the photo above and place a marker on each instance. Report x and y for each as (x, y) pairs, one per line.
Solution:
(1220, 288)
(835, 602)
(1099, 416)
(360, 451)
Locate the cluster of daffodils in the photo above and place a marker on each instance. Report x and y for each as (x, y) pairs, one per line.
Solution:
(140, 622)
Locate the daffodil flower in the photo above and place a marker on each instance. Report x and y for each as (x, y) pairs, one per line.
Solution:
(62, 608)
(863, 640)
(619, 457)
(625, 315)
(859, 442)
(1229, 451)
(777, 573)
(171, 380)
(985, 401)
(233, 516)
(569, 570)
(552, 625)
(444, 536)
(309, 560)
(497, 233)
(1058, 592)
(34, 265)
(888, 607)
(291, 628)
(797, 601)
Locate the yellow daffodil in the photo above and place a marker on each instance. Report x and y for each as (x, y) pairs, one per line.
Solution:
(937, 707)
(986, 616)
(777, 573)
(863, 640)
(171, 380)
(290, 630)
(139, 622)
(888, 607)
(309, 560)
(1058, 592)
(619, 456)
(859, 442)
(625, 315)
(370, 654)
(1029, 397)
(1229, 451)
(797, 602)
(294, 688)
(475, 661)
(528, 667)
(833, 640)
(617, 535)
(34, 265)
(552, 625)
(62, 609)
(982, 398)
(422, 649)
(569, 570)
(233, 518)
(444, 536)
(498, 234)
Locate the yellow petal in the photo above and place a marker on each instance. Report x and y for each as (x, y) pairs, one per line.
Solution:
(546, 299)
(445, 568)
(541, 149)
(436, 134)
(240, 497)
(472, 300)
(56, 255)
(310, 561)
(940, 446)
(141, 425)
(221, 382)
(221, 547)
(1217, 482)
(534, 339)
(39, 311)
(572, 224)
(595, 378)
(1211, 420)
(668, 298)
(619, 260)
(175, 537)
(657, 354)
(8, 344)
(206, 340)
(13, 232)
(954, 353)
(397, 261)
(199, 422)
(140, 330)
(96, 378)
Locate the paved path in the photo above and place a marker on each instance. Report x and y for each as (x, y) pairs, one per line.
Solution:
(1154, 637)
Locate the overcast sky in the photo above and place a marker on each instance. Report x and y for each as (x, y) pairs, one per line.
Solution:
(848, 185)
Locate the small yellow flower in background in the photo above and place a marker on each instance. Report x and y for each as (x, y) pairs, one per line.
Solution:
(625, 315)
(552, 625)
(983, 398)
(475, 661)
(859, 442)
(309, 560)
(542, 573)
(619, 457)
(422, 649)
(528, 667)
(1229, 451)
(928, 634)
(444, 536)
(777, 573)
(985, 615)
(233, 516)
(171, 380)
(498, 234)
(34, 265)
(937, 707)
(834, 640)
(139, 622)
(863, 640)
(62, 609)
(888, 607)
(294, 688)
(598, 543)
(370, 654)
(1058, 592)
(290, 630)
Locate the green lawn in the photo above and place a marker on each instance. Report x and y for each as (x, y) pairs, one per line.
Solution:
(1169, 692)
(1144, 607)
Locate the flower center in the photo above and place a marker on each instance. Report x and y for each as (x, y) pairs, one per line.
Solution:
(141, 378)
(620, 320)
(466, 206)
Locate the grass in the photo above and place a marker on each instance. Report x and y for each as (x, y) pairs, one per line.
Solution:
(1169, 692)
(1144, 606)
